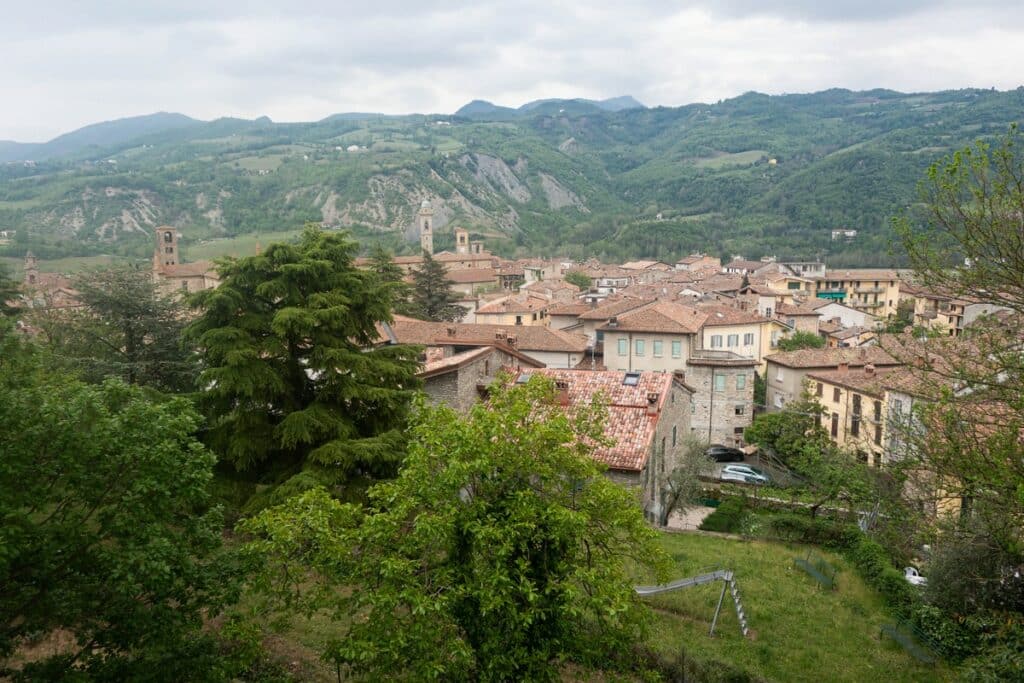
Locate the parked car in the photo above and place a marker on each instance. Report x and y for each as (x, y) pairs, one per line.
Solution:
(913, 576)
(720, 453)
(744, 473)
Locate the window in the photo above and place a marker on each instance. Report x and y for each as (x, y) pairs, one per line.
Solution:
(775, 338)
(741, 382)
(778, 374)
(623, 347)
(519, 320)
(740, 410)
(793, 285)
(897, 405)
(855, 418)
(878, 423)
(677, 349)
(733, 340)
(657, 348)
(835, 425)
(748, 339)
(673, 435)
(779, 401)
(768, 311)
(835, 395)
(719, 382)
(716, 341)
(639, 347)
(820, 390)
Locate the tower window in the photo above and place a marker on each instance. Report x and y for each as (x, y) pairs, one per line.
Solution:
(168, 236)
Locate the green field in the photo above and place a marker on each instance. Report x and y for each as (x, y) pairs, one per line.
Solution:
(70, 264)
(737, 159)
(801, 632)
(239, 245)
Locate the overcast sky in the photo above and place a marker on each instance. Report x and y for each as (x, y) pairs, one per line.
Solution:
(65, 64)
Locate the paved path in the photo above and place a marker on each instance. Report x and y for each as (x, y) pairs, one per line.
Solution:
(689, 519)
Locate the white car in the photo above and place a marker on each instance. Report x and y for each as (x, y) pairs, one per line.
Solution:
(744, 473)
(913, 576)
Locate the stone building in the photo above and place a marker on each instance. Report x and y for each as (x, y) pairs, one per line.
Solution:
(171, 273)
(723, 399)
(787, 370)
(458, 375)
(648, 418)
(425, 224)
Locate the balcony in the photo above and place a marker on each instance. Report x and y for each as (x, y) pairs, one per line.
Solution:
(870, 290)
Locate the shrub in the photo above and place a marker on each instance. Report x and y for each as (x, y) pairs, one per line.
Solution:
(797, 528)
(727, 517)
(875, 566)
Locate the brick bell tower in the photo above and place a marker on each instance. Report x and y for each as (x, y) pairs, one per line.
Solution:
(166, 251)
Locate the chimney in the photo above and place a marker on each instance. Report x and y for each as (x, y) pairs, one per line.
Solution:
(563, 391)
(844, 367)
(500, 335)
(863, 354)
(451, 331)
(511, 340)
(652, 403)
(613, 321)
(869, 369)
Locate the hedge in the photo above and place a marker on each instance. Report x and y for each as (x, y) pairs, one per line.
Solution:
(727, 517)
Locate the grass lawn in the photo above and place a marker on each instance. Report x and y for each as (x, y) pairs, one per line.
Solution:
(239, 245)
(801, 632)
(737, 159)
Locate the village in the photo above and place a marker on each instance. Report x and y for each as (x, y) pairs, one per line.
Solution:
(675, 349)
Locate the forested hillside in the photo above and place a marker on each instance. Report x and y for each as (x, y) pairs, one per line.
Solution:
(754, 175)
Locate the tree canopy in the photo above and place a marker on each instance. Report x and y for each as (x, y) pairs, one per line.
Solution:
(801, 340)
(108, 532)
(499, 551)
(297, 374)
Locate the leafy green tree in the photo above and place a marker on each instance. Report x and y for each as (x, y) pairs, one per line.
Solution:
(684, 487)
(903, 319)
(127, 327)
(296, 374)
(578, 278)
(432, 294)
(498, 552)
(108, 530)
(801, 339)
(10, 293)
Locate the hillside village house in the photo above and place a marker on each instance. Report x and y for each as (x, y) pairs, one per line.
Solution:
(695, 262)
(597, 316)
(787, 370)
(855, 408)
(876, 291)
(799, 317)
(733, 330)
(519, 309)
(845, 315)
(658, 336)
(648, 416)
(723, 399)
(458, 375)
(565, 315)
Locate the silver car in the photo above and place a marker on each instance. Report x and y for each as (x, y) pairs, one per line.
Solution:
(745, 474)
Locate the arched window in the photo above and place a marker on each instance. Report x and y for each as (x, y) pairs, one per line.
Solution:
(168, 236)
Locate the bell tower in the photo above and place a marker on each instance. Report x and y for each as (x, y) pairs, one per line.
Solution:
(425, 221)
(31, 269)
(166, 252)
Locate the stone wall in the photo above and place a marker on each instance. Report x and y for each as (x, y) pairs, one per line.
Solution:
(715, 418)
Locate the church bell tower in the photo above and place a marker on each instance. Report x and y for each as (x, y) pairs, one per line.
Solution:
(425, 221)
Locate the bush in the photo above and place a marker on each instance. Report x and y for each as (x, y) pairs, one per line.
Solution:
(875, 567)
(797, 528)
(727, 517)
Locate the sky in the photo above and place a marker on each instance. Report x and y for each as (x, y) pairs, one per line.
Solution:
(68, 63)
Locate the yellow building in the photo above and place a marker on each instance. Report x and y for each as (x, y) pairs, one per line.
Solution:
(876, 291)
(854, 400)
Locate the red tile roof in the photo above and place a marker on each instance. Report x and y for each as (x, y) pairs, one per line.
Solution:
(629, 424)
(471, 275)
(527, 337)
(828, 358)
(727, 315)
(662, 316)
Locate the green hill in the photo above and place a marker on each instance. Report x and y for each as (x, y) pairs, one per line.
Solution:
(756, 175)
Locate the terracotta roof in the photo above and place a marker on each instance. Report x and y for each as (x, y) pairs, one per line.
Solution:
(629, 423)
(829, 327)
(550, 286)
(727, 315)
(661, 316)
(190, 269)
(859, 379)
(470, 275)
(441, 366)
(796, 310)
(569, 309)
(742, 264)
(828, 358)
(527, 337)
(609, 308)
(641, 265)
(841, 274)
(515, 304)
(446, 256)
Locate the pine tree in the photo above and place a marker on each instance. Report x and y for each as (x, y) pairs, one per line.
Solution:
(432, 295)
(391, 276)
(296, 377)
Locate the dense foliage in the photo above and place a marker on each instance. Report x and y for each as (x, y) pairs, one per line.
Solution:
(499, 551)
(109, 538)
(296, 375)
(432, 295)
(801, 340)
